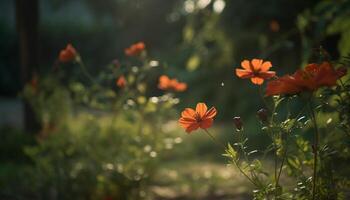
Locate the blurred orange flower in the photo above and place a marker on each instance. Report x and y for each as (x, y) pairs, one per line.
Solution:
(68, 54)
(256, 70)
(34, 82)
(311, 78)
(121, 82)
(274, 26)
(165, 83)
(135, 49)
(200, 118)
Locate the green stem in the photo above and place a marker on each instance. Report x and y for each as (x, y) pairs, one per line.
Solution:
(263, 99)
(315, 151)
(84, 70)
(214, 139)
(282, 163)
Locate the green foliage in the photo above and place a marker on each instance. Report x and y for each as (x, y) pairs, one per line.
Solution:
(98, 139)
(309, 146)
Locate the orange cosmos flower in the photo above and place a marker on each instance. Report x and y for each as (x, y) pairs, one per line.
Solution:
(311, 78)
(180, 87)
(257, 70)
(135, 49)
(68, 54)
(34, 81)
(200, 118)
(121, 82)
(274, 26)
(165, 83)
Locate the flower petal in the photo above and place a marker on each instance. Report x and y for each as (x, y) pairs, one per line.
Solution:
(266, 66)
(267, 74)
(211, 113)
(188, 113)
(284, 85)
(256, 63)
(186, 122)
(201, 109)
(206, 123)
(193, 127)
(246, 65)
(257, 80)
(242, 73)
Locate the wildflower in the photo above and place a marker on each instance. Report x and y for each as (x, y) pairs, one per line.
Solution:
(135, 49)
(121, 82)
(34, 82)
(262, 115)
(257, 70)
(309, 79)
(180, 87)
(68, 54)
(165, 83)
(200, 118)
(238, 123)
(274, 26)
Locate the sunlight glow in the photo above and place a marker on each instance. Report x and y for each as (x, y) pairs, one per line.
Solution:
(189, 6)
(219, 6)
(203, 3)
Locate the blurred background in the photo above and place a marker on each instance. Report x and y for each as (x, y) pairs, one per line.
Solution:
(199, 42)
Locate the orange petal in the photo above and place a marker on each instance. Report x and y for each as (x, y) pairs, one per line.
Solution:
(180, 87)
(188, 113)
(206, 123)
(246, 65)
(242, 73)
(267, 74)
(257, 80)
(186, 122)
(257, 64)
(193, 127)
(266, 66)
(211, 113)
(201, 109)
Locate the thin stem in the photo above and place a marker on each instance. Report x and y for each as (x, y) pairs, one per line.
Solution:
(275, 163)
(315, 151)
(244, 174)
(263, 99)
(282, 163)
(214, 139)
(84, 70)
(234, 161)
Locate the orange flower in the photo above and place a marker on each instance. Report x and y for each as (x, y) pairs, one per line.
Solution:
(311, 78)
(200, 118)
(274, 26)
(121, 82)
(256, 70)
(34, 82)
(165, 83)
(180, 87)
(68, 54)
(135, 49)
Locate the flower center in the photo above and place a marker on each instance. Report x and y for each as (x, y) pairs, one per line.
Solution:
(198, 117)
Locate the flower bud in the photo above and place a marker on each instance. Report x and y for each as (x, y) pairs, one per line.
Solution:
(262, 115)
(238, 123)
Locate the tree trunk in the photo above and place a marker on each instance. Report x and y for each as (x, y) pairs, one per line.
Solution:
(27, 19)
